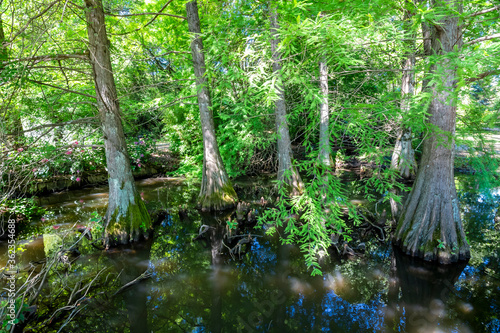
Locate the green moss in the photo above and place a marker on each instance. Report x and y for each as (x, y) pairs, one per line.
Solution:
(403, 237)
(132, 226)
(51, 243)
(219, 200)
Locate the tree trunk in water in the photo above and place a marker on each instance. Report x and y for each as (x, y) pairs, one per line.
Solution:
(430, 226)
(217, 192)
(324, 112)
(287, 173)
(403, 157)
(126, 218)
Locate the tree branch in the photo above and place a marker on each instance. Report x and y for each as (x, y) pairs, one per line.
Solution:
(87, 120)
(150, 21)
(178, 101)
(485, 11)
(63, 89)
(163, 54)
(75, 5)
(483, 75)
(61, 68)
(49, 57)
(143, 14)
(482, 39)
(136, 89)
(50, 5)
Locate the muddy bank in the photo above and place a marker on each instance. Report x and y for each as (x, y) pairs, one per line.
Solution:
(68, 182)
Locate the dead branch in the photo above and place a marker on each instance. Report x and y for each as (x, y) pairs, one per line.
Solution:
(61, 88)
(483, 75)
(144, 276)
(481, 12)
(87, 120)
(482, 39)
(150, 21)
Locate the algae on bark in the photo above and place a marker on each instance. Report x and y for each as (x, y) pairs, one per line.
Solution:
(126, 219)
(216, 192)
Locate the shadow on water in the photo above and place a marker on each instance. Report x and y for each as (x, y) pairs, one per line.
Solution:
(213, 236)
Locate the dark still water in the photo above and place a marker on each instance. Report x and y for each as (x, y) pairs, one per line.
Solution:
(227, 281)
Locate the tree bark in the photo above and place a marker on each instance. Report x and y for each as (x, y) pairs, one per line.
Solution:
(126, 218)
(11, 130)
(430, 226)
(324, 112)
(403, 157)
(217, 192)
(287, 172)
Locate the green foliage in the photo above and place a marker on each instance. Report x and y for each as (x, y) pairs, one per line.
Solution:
(25, 208)
(96, 224)
(313, 217)
(232, 224)
(363, 44)
(19, 307)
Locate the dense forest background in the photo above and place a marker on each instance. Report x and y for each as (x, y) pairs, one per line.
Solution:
(239, 88)
(401, 95)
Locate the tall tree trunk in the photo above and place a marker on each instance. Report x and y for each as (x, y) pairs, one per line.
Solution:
(403, 157)
(287, 173)
(324, 114)
(11, 130)
(126, 218)
(430, 226)
(217, 192)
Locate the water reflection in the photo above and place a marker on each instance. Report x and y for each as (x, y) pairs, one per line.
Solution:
(199, 286)
(132, 263)
(422, 303)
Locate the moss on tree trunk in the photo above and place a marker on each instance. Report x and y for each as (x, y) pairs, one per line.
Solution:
(219, 197)
(216, 192)
(126, 219)
(127, 223)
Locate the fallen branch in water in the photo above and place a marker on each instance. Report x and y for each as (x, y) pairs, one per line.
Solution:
(144, 276)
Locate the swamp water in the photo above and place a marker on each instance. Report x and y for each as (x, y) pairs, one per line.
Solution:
(263, 286)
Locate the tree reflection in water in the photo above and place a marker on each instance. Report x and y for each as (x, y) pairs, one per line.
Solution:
(418, 294)
(197, 287)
